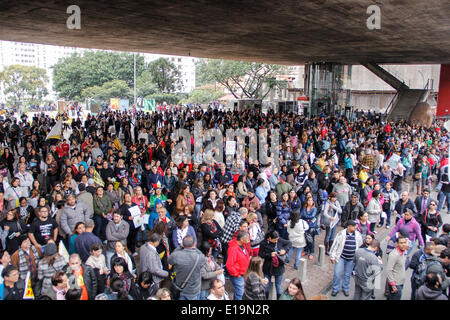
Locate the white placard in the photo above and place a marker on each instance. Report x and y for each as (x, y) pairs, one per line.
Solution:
(230, 148)
(135, 211)
(138, 221)
(393, 161)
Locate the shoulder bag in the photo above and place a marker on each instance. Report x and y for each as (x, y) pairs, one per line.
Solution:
(180, 288)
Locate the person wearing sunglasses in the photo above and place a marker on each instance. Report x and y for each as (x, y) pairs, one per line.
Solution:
(431, 220)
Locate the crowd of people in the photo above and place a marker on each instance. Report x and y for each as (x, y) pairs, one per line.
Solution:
(139, 223)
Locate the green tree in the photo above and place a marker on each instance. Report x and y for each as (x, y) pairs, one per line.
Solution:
(203, 95)
(251, 80)
(145, 85)
(24, 84)
(165, 75)
(110, 89)
(77, 72)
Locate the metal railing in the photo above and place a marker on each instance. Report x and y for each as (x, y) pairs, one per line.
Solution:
(391, 104)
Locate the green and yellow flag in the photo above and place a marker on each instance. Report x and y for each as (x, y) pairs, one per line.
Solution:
(149, 105)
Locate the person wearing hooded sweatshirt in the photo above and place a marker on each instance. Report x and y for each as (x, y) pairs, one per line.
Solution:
(431, 290)
(154, 214)
(409, 223)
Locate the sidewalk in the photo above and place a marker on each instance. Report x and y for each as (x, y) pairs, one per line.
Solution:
(319, 280)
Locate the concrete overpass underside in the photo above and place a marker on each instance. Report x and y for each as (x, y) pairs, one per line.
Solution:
(276, 31)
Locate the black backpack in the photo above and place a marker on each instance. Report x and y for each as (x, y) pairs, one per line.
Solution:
(421, 273)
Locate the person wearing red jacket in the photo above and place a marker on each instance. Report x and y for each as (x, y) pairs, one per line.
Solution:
(243, 226)
(65, 148)
(237, 262)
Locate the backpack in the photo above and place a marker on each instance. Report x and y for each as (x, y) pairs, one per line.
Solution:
(421, 273)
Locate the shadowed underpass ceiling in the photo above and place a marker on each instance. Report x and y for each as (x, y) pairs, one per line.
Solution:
(276, 31)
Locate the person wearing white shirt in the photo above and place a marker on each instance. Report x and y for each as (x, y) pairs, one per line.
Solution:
(13, 194)
(218, 291)
(25, 178)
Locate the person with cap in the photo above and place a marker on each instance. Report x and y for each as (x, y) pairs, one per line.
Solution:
(374, 209)
(51, 262)
(84, 241)
(86, 198)
(158, 195)
(26, 259)
(363, 175)
(342, 253)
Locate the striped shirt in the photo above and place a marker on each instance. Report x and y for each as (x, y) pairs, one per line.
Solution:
(349, 247)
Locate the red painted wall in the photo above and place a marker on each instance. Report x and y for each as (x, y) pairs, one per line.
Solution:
(443, 105)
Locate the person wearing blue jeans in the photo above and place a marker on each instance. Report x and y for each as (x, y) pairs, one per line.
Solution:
(238, 286)
(342, 252)
(345, 267)
(444, 193)
(443, 197)
(298, 252)
(238, 261)
(278, 283)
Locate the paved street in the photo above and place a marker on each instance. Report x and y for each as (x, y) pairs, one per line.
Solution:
(319, 279)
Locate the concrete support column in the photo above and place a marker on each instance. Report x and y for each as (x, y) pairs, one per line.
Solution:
(302, 270)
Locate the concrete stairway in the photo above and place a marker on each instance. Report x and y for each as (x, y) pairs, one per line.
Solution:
(405, 103)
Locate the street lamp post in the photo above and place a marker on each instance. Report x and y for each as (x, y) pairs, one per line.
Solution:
(134, 76)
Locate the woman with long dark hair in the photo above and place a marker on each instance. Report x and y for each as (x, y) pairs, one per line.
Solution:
(12, 227)
(296, 230)
(119, 269)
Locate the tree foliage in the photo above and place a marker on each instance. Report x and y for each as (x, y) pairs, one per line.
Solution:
(250, 80)
(165, 75)
(77, 72)
(169, 98)
(145, 85)
(110, 89)
(24, 84)
(203, 95)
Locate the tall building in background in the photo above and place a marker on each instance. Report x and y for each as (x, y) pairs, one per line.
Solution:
(46, 56)
(37, 55)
